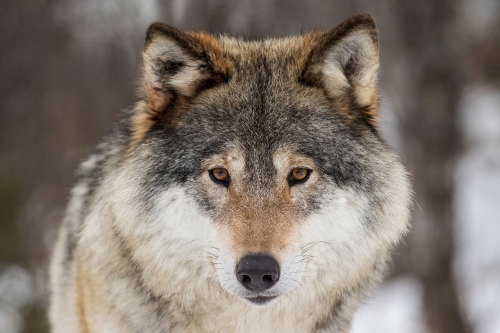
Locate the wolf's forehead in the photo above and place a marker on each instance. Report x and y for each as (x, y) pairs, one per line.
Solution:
(262, 115)
(277, 58)
(270, 49)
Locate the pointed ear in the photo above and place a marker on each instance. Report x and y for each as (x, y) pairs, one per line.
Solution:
(344, 62)
(177, 67)
(178, 64)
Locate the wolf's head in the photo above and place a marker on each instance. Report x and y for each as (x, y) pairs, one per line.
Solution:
(257, 166)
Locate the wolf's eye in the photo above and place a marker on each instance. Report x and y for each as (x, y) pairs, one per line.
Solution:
(220, 176)
(298, 176)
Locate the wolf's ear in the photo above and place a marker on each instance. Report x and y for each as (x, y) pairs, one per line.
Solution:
(344, 62)
(179, 65)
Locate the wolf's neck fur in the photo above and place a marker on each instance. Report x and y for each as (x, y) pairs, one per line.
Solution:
(200, 305)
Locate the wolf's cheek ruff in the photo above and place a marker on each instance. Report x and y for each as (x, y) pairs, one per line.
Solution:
(338, 242)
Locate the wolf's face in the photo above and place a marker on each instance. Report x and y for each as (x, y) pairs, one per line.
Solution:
(257, 165)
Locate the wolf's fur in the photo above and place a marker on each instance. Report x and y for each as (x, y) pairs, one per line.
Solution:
(150, 242)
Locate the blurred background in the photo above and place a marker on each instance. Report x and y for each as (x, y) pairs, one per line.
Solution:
(68, 66)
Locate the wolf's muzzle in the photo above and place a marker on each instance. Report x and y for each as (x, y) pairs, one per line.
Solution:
(258, 272)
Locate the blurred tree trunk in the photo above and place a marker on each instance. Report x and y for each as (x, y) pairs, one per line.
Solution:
(431, 142)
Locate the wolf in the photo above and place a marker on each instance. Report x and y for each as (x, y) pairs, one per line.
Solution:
(247, 190)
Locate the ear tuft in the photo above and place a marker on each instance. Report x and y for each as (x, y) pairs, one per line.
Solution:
(344, 62)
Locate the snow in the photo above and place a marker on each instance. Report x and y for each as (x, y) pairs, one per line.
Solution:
(395, 308)
(16, 290)
(477, 209)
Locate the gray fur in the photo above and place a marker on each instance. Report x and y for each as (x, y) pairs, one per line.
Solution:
(129, 256)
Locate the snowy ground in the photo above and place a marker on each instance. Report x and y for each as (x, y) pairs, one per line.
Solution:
(477, 209)
(396, 308)
(16, 292)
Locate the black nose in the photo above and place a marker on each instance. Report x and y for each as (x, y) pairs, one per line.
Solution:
(258, 272)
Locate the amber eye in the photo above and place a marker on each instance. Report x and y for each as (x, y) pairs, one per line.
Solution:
(298, 175)
(219, 175)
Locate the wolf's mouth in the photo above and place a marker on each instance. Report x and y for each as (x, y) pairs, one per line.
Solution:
(260, 300)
